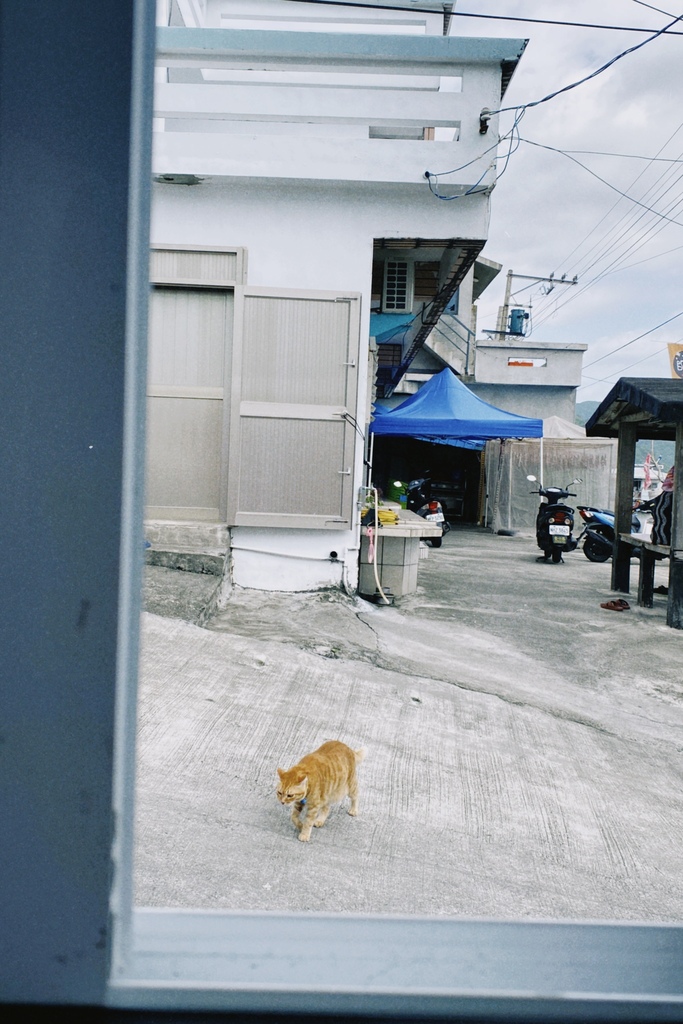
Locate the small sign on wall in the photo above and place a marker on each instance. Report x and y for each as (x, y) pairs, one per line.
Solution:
(676, 359)
(523, 361)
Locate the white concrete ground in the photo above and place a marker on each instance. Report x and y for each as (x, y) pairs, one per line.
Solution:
(525, 746)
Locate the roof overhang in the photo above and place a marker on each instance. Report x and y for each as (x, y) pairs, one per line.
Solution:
(270, 50)
(485, 271)
(654, 405)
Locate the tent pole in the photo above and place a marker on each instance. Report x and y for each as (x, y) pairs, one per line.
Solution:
(509, 503)
(370, 457)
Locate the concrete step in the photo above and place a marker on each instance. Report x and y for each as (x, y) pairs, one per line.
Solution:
(187, 536)
(188, 561)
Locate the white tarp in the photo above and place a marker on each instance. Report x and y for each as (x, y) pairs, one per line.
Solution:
(555, 426)
(510, 506)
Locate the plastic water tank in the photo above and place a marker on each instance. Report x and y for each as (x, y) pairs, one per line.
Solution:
(517, 320)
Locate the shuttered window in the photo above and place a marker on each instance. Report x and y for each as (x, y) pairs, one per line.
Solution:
(293, 399)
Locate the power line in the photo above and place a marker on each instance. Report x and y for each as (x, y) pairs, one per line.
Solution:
(629, 236)
(658, 352)
(587, 78)
(513, 135)
(616, 203)
(638, 232)
(566, 24)
(609, 244)
(641, 3)
(627, 156)
(619, 248)
(622, 370)
(493, 17)
(633, 341)
(614, 188)
(648, 259)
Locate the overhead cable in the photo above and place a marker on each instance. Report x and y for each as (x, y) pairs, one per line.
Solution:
(633, 340)
(627, 156)
(512, 135)
(659, 10)
(616, 203)
(608, 240)
(587, 78)
(492, 17)
(632, 231)
(521, 109)
(565, 24)
(616, 250)
(603, 180)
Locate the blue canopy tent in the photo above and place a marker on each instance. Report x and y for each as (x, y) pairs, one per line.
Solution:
(445, 411)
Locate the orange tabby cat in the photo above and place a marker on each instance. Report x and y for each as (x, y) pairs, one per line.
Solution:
(319, 780)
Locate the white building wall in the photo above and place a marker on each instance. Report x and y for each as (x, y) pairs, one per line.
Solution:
(326, 153)
(302, 235)
(526, 362)
(529, 400)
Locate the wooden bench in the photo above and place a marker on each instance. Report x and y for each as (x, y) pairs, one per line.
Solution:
(649, 554)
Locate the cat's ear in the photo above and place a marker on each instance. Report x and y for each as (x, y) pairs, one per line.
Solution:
(280, 772)
(304, 781)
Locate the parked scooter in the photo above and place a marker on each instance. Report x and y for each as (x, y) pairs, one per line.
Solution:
(421, 502)
(598, 533)
(554, 522)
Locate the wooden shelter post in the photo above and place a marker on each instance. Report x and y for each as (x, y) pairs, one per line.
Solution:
(674, 609)
(626, 454)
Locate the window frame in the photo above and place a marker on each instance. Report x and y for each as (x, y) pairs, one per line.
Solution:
(409, 287)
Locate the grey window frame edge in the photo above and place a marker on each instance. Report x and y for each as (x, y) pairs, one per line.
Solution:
(449, 968)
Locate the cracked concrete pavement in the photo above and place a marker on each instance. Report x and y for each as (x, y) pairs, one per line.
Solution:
(525, 746)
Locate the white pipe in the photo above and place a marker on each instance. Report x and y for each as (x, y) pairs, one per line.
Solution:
(371, 455)
(374, 551)
(287, 554)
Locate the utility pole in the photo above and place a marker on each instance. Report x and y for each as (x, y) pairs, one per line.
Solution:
(504, 310)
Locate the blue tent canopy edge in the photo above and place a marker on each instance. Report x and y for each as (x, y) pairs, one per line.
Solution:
(445, 411)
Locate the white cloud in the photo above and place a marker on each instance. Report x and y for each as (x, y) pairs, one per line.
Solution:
(548, 214)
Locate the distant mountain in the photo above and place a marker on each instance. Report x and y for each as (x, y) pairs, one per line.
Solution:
(663, 451)
(584, 411)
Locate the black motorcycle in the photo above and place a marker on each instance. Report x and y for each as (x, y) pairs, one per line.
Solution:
(554, 522)
(421, 502)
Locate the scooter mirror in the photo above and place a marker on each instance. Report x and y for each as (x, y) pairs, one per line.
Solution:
(531, 477)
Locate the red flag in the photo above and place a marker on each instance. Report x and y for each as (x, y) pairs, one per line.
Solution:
(647, 466)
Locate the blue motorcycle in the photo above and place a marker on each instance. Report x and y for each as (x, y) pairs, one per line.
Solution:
(598, 533)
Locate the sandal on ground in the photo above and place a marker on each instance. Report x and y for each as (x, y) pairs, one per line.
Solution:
(661, 590)
(619, 605)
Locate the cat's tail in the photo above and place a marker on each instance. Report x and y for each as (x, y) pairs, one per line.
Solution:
(360, 755)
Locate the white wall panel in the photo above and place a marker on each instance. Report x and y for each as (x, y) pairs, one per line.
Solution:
(294, 381)
(190, 340)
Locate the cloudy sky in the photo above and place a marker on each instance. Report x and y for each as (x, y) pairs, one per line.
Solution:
(551, 215)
